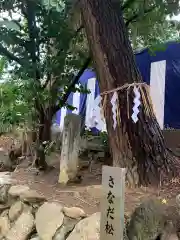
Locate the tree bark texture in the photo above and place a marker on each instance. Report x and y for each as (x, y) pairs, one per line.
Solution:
(45, 121)
(138, 147)
(45, 127)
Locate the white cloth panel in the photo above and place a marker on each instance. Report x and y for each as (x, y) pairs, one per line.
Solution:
(98, 120)
(76, 102)
(91, 85)
(157, 89)
(63, 114)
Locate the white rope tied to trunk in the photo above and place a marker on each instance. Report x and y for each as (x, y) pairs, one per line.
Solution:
(145, 99)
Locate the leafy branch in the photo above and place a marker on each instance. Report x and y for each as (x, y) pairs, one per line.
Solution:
(127, 4)
(10, 56)
(71, 85)
(139, 14)
(48, 80)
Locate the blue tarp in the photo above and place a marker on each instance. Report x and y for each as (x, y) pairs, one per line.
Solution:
(144, 60)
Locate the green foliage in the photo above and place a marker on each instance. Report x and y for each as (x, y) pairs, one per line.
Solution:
(14, 105)
(3, 66)
(41, 48)
(58, 5)
(148, 22)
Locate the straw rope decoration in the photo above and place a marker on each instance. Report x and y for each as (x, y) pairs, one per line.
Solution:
(153, 139)
(145, 98)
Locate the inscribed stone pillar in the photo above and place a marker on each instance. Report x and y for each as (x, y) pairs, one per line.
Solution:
(69, 161)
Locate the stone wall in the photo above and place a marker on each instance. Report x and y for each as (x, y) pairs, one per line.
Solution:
(26, 215)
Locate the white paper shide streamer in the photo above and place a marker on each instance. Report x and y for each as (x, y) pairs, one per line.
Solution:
(114, 108)
(137, 103)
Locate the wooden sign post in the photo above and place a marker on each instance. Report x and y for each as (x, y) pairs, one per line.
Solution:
(112, 204)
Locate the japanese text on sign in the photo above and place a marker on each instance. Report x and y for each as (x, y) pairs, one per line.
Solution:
(110, 210)
(112, 205)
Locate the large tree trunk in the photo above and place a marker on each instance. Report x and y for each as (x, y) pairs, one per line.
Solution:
(139, 147)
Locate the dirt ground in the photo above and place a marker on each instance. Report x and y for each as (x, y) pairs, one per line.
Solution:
(87, 194)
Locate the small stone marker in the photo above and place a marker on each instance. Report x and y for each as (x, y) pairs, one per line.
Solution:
(112, 204)
(70, 148)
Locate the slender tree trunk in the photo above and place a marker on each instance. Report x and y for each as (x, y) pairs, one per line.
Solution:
(45, 128)
(45, 119)
(138, 147)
